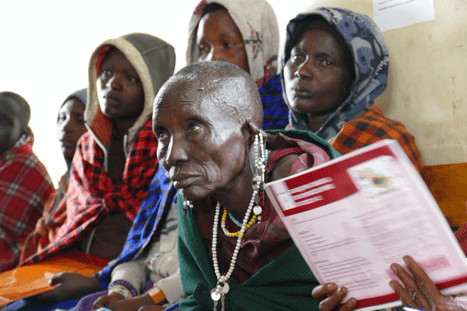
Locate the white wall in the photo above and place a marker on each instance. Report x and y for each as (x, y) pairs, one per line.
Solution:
(46, 45)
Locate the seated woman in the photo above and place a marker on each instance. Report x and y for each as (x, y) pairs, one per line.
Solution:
(213, 148)
(70, 127)
(335, 64)
(244, 33)
(25, 184)
(116, 159)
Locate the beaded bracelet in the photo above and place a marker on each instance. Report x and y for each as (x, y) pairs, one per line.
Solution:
(120, 289)
(156, 294)
(130, 287)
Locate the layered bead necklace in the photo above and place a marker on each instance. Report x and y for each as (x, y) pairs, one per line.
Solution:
(222, 287)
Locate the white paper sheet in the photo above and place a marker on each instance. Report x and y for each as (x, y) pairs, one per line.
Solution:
(354, 216)
(392, 14)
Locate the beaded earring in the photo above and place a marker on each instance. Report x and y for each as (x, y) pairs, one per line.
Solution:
(188, 203)
(258, 173)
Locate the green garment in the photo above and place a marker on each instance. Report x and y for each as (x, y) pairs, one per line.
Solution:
(283, 284)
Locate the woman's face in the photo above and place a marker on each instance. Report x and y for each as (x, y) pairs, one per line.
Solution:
(70, 126)
(316, 76)
(10, 125)
(218, 38)
(119, 88)
(199, 145)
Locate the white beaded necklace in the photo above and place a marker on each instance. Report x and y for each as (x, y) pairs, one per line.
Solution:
(222, 286)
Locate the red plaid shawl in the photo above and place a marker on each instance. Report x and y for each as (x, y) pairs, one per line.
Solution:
(39, 239)
(92, 194)
(266, 240)
(24, 187)
(372, 127)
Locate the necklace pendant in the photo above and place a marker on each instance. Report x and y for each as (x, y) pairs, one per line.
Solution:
(215, 295)
(225, 288)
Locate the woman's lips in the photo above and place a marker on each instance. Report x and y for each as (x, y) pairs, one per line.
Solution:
(302, 92)
(183, 181)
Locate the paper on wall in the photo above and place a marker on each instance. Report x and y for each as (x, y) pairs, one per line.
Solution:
(393, 14)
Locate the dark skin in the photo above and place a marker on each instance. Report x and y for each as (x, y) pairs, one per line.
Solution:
(10, 125)
(316, 76)
(121, 98)
(194, 135)
(419, 291)
(219, 38)
(116, 302)
(70, 126)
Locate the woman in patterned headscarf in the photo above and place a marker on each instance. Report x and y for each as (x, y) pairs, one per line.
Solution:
(244, 33)
(335, 64)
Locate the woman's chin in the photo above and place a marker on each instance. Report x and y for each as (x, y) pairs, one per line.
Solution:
(191, 194)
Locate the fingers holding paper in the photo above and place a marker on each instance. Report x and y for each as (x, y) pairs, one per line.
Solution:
(330, 297)
(418, 290)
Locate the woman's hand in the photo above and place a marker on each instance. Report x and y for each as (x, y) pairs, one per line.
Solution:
(420, 291)
(116, 302)
(330, 296)
(70, 285)
(107, 300)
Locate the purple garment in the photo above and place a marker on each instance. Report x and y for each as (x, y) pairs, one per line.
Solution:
(85, 303)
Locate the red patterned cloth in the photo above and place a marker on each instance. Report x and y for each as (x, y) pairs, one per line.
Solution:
(48, 224)
(92, 194)
(24, 187)
(265, 240)
(371, 127)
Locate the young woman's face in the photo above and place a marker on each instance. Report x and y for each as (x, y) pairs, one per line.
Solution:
(10, 126)
(119, 89)
(218, 38)
(316, 76)
(70, 126)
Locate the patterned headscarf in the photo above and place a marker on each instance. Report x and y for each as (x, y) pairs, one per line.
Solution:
(257, 24)
(371, 59)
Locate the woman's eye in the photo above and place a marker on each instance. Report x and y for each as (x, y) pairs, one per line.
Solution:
(296, 57)
(160, 135)
(227, 45)
(326, 63)
(105, 73)
(132, 79)
(193, 127)
(203, 49)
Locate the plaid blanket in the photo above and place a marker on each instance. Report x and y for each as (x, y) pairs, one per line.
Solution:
(92, 194)
(24, 187)
(48, 224)
(371, 127)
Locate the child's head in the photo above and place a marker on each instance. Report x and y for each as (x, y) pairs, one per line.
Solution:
(14, 119)
(70, 122)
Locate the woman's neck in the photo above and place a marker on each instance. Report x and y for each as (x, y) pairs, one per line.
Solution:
(315, 122)
(237, 195)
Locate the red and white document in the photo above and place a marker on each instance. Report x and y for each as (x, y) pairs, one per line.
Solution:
(355, 215)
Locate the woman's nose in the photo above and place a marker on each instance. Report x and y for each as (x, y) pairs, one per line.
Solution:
(305, 70)
(176, 151)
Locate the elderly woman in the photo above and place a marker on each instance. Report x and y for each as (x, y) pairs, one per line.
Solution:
(244, 33)
(335, 64)
(207, 119)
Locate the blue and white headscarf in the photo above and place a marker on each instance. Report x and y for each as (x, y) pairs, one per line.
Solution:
(371, 60)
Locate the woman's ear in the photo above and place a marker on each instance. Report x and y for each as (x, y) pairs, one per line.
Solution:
(250, 130)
